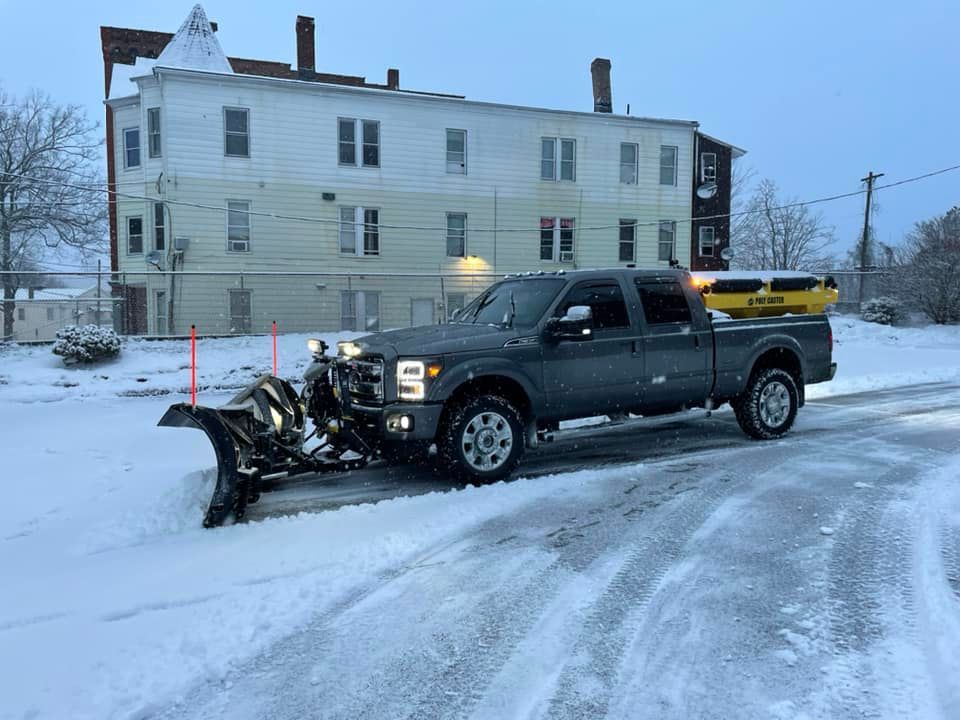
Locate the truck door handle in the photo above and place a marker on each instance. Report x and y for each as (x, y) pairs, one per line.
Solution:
(696, 341)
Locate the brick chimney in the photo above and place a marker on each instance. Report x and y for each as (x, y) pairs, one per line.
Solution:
(393, 78)
(602, 95)
(306, 52)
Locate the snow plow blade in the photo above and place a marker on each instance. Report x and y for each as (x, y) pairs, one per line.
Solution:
(260, 431)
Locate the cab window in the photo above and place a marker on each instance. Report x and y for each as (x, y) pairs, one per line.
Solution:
(663, 303)
(605, 300)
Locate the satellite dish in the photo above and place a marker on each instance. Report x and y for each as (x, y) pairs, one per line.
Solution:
(707, 190)
(727, 254)
(155, 258)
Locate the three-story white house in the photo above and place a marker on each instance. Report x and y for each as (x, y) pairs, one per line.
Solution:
(354, 193)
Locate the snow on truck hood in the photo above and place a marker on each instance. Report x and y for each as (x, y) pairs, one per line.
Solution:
(437, 339)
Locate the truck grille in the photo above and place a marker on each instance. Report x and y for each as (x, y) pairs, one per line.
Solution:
(365, 381)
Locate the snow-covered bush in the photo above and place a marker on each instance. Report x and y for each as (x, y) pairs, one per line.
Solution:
(883, 310)
(86, 344)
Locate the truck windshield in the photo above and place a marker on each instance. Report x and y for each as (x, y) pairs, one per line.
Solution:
(514, 303)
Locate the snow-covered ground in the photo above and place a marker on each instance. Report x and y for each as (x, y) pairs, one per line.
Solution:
(817, 576)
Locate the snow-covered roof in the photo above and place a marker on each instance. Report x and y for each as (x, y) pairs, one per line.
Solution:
(195, 46)
(122, 76)
(56, 293)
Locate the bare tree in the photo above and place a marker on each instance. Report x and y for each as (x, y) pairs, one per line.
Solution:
(778, 234)
(741, 182)
(930, 274)
(48, 188)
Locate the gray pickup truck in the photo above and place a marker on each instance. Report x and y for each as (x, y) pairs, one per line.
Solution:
(534, 350)
(527, 353)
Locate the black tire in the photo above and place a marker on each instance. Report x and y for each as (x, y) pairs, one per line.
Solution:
(760, 409)
(476, 415)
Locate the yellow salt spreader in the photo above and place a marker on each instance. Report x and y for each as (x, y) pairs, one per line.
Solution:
(765, 293)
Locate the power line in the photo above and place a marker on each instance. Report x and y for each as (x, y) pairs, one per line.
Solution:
(336, 221)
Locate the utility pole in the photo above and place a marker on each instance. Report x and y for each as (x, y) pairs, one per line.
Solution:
(96, 313)
(865, 239)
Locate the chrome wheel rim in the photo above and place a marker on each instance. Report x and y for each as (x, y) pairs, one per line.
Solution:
(774, 404)
(487, 441)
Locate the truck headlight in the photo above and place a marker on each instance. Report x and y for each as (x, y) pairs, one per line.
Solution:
(349, 349)
(413, 377)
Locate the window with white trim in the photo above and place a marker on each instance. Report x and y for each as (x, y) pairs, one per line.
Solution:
(668, 164)
(241, 314)
(236, 132)
(49, 312)
(628, 240)
(160, 305)
(558, 159)
(708, 167)
(360, 310)
(159, 227)
(556, 239)
(134, 235)
(238, 225)
(131, 147)
(708, 240)
(456, 152)
(629, 155)
(456, 234)
(352, 132)
(666, 246)
(359, 231)
(153, 132)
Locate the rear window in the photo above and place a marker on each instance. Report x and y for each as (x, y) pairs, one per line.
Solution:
(663, 303)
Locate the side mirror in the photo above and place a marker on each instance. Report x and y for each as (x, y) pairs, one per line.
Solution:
(576, 324)
(455, 314)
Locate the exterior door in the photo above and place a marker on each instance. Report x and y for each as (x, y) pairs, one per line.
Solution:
(591, 377)
(421, 312)
(675, 347)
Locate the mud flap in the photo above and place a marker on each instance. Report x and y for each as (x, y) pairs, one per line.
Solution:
(225, 446)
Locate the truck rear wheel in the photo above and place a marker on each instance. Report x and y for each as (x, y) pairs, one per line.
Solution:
(481, 439)
(768, 407)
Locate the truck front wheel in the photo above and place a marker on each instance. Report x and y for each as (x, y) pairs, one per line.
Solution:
(768, 406)
(481, 439)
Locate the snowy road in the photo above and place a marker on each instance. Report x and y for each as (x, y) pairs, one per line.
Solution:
(817, 576)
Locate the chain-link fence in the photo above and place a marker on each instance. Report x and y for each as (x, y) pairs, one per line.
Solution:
(164, 304)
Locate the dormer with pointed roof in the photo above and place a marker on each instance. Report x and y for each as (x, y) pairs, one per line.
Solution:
(195, 46)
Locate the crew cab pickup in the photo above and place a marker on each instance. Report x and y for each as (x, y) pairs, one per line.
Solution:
(533, 350)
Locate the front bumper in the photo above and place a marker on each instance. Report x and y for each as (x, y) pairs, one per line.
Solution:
(374, 424)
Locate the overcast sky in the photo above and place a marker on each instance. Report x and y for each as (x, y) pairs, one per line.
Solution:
(819, 91)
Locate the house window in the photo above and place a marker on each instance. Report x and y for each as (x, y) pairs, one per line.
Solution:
(566, 163)
(629, 154)
(131, 148)
(668, 165)
(238, 225)
(159, 232)
(668, 235)
(457, 152)
(21, 314)
(707, 241)
(49, 313)
(556, 239)
(236, 132)
(456, 234)
(455, 303)
(153, 132)
(708, 167)
(628, 240)
(161, 314)
(240, 314)
(348, 130)
(359, 231)
(359, 310)
(134, 235)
